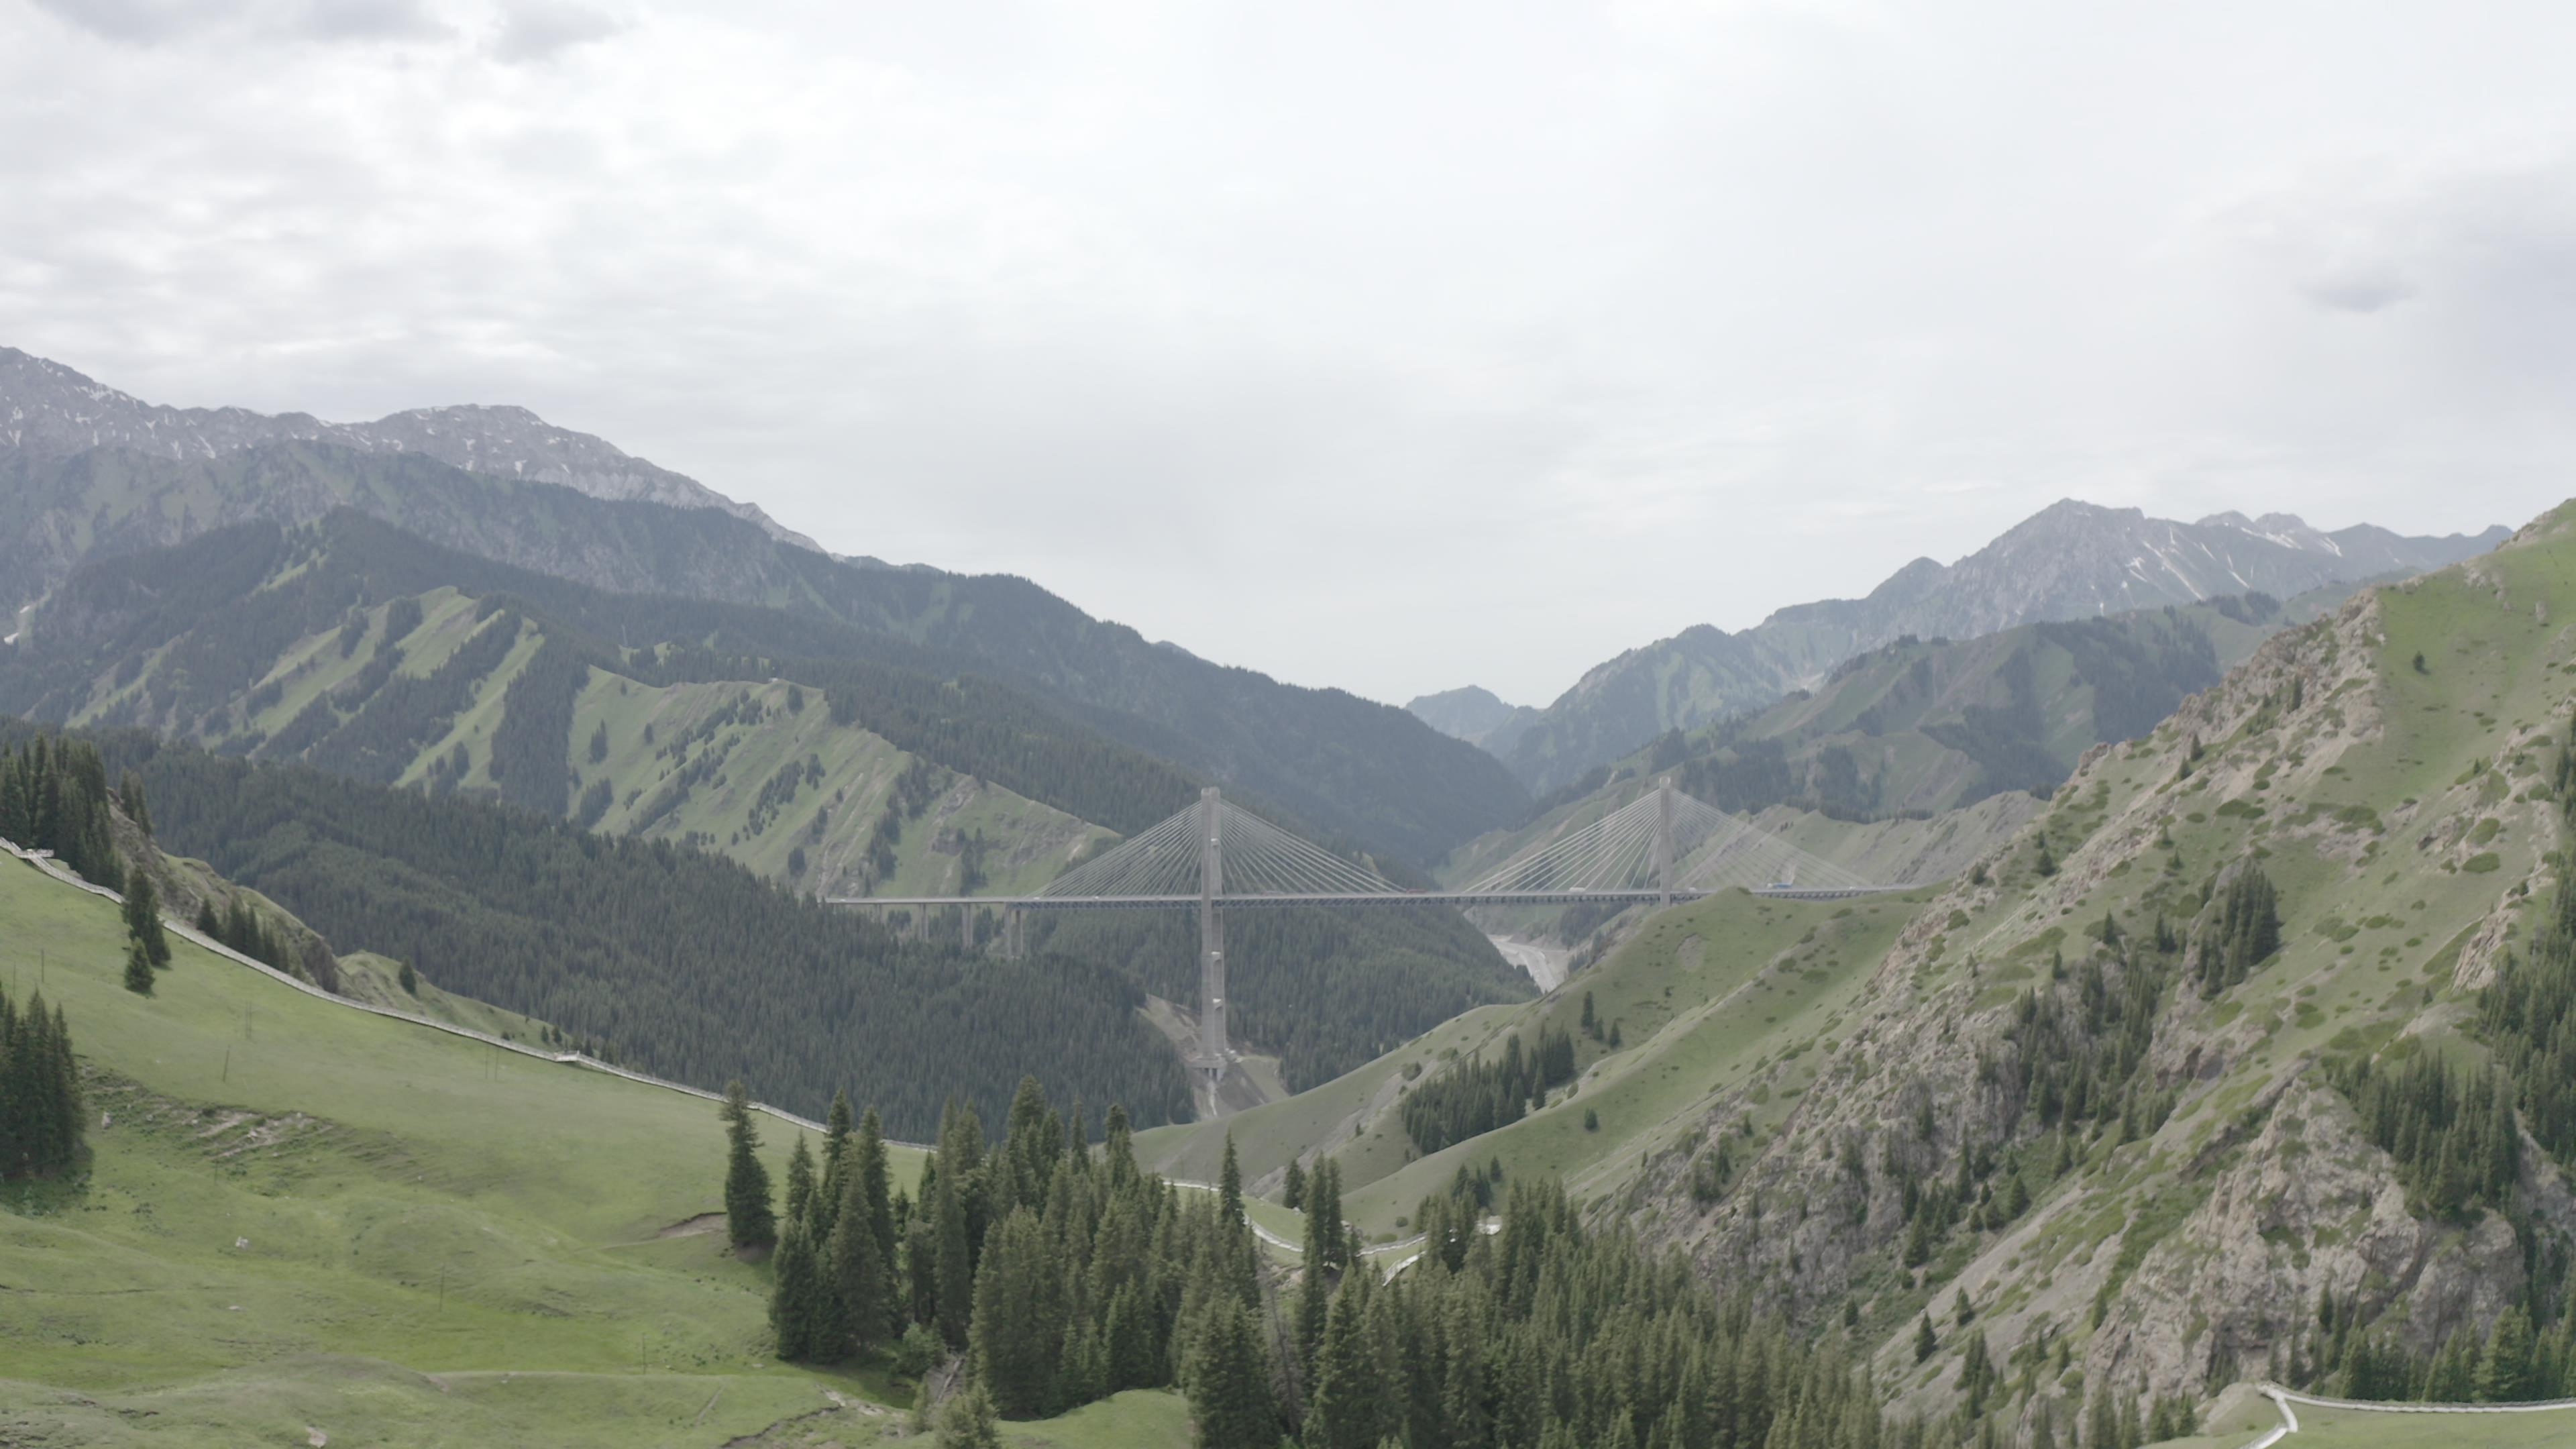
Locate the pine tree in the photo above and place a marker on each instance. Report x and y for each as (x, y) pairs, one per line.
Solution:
(1926, 1342)
(836, 1146)
(2504, 1370)
(855, 1267)
(748, 1218)
(138, 968)
(800, 1182)
(1324, 1203)
(961, 1139)
(143, 918)
(874, 1177)
(968, 1421)
(1017, 1330)
(1292, 1192)
(1342, 1413)
(1230, 1184)
(1229, 1384)
(2101, 1422)
(130, 795)
(795, 1300)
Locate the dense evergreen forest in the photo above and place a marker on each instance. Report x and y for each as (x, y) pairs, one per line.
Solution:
(685, 964)
(40, 1096)
(1474, 1097)
(1327, 989)
(53, 796)
(1062, 1275)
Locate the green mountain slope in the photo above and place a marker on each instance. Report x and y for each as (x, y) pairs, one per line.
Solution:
(1366, 771)
(1919, 727)
(2070, 561)
(2121, 1145)
(2088, 1089)
(676, 962)
(301, 1217)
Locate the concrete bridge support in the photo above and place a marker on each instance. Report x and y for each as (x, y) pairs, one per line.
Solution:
(1213, 1058)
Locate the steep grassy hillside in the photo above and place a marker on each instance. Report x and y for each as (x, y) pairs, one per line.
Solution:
(2145, 1147)
(1703, 994)
(301, 1219)
(2156, 1088)
(301, 1215)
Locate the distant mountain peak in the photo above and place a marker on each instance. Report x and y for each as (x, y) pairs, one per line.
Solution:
(49, 411)
(2070, 560)
(1470, 713)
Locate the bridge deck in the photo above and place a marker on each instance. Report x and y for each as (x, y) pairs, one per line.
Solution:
(1404, 898)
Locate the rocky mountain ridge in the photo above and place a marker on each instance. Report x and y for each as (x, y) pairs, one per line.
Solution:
(2072, 560)
(51, 413)
(2387, 769)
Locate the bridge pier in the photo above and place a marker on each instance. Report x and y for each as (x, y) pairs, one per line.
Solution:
(1663, 842)
(1213, 1057)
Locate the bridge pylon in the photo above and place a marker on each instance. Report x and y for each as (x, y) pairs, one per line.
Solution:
(1663, 842)
(1213, 1058)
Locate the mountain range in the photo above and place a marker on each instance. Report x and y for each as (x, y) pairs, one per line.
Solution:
(54, 414)
(2071, 560)
(89, 475)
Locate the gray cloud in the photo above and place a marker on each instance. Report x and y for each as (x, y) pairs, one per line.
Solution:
(158, 22)
(2363, 294)
(141, 22)
(364, 20)
(535, 30)
(1390, 347)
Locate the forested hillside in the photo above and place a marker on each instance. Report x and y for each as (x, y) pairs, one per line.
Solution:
(2241, 1058)
(1066, 1276)
(2208, 1074)
(1365, 771)
(680, 963)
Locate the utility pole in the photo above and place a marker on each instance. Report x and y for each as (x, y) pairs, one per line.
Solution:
(1212, 1059)
(1664, 841)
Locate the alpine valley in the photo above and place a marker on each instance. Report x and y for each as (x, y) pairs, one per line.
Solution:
(503, 943)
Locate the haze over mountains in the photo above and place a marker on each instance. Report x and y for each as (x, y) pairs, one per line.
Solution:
(2072, 560)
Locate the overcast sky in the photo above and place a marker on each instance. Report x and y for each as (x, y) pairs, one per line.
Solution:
(1393, 346)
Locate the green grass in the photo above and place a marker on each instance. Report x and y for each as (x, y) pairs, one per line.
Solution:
(2367, 1429)
(377, 981)
(1137, 1419)
(1704, 994)
(301, 1210)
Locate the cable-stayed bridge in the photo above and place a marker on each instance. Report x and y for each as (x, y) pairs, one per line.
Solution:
(1214, 857)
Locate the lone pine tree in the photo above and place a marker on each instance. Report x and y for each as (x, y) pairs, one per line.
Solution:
(749, 1221)
(143, 917)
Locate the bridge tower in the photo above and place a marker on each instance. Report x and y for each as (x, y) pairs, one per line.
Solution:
(1663, 842)
(1212, 1058)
